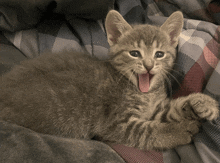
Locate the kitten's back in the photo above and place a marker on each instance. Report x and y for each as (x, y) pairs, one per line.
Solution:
(58, 86)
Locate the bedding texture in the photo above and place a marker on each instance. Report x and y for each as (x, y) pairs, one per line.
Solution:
(30, 28)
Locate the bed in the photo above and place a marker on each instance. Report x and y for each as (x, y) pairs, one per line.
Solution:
(30, 28)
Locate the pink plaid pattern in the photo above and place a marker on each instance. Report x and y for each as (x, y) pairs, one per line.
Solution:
(134, 155)
(195, 79)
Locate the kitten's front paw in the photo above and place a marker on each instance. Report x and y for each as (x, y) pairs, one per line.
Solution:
(203, 106)
(174, 134)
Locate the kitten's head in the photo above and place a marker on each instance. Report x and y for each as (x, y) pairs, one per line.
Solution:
(143, 53)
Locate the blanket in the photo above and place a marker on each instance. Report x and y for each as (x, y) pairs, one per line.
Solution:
(31, 33)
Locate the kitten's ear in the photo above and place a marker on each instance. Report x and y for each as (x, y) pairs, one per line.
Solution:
(115, 26)
(173, 26)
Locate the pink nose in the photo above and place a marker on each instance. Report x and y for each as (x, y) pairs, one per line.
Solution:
(148, 68)
(148, 64)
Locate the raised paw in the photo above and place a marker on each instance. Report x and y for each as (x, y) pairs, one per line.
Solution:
(203, 106)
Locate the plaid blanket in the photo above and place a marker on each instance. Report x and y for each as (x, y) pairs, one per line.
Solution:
(198, 60)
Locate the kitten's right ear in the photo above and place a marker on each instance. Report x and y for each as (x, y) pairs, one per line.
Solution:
(115, 26)
(173, 27)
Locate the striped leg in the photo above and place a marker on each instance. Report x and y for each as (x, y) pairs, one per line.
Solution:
(134, 131)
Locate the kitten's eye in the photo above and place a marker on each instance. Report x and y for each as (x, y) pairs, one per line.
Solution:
(159, 54)
(135, 53)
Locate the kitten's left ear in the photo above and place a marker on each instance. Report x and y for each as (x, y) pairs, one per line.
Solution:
(173, 26)
(115, 26)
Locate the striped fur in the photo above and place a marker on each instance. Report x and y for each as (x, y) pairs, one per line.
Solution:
(74, 95)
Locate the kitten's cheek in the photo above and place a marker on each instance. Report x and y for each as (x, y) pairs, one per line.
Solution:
(154, 80)
(154, 71)
(134, 80)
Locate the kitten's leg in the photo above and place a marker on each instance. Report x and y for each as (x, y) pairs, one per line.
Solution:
(194, 106)
(171, 135)
(151, 135)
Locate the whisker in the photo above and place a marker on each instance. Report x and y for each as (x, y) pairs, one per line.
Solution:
(167, 72)
(124, 71)
(122, 75)
(129, 83)
(169, 83)
(133, 66)
(177, 64)
(176, 71)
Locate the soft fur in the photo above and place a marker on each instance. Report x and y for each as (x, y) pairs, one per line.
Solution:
(74, 95)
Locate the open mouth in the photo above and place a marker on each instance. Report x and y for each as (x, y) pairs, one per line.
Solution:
(144, 81)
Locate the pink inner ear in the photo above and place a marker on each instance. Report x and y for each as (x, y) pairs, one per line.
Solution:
(115, 34)
(172, 36)
(113, 40)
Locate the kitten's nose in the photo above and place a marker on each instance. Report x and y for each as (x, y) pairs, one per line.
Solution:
(149, 67)
(148, 64)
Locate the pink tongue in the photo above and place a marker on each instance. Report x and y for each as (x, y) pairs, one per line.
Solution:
(144, 82)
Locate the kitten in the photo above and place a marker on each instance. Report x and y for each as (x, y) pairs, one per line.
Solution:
(122, 100)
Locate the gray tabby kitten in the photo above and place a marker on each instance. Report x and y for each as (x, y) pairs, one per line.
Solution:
(122, 100)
